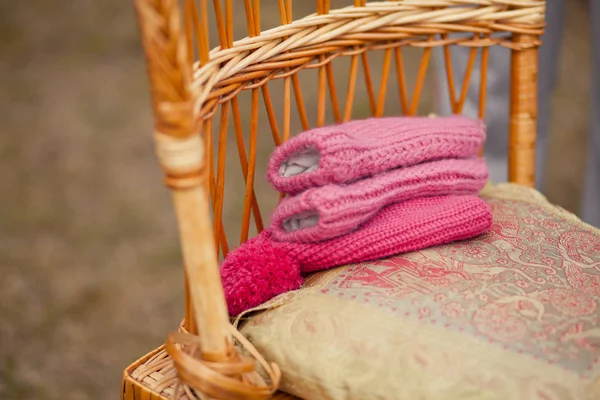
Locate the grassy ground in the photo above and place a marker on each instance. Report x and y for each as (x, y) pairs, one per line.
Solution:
(90, 274)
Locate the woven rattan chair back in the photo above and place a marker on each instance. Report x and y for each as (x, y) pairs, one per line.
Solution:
(208, 103)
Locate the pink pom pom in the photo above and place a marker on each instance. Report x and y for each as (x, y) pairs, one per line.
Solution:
(257, 272)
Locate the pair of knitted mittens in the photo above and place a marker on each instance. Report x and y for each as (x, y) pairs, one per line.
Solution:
(360, 191)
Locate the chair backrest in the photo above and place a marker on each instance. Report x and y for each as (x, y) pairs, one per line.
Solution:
(270, 76)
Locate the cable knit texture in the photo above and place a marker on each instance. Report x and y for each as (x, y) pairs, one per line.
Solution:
(342, 208)
(263, 268)
(357, 149)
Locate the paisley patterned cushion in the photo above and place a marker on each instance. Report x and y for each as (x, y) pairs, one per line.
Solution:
(510, 315)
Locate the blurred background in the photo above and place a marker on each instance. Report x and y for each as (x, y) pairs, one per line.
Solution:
(90, 271)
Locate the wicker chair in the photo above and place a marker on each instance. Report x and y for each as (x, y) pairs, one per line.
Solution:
(195, 89)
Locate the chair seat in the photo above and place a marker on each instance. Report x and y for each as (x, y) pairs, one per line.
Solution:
(512, 314)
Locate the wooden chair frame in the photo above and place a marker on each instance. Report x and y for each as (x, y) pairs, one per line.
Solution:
(189, 93)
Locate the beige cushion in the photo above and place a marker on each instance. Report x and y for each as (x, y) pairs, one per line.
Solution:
(510, 315)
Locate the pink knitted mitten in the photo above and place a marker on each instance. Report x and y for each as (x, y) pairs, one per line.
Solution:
(333, 210)
(262, 268)
(354, 150)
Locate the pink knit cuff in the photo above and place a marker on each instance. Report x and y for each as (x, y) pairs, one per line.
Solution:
(353, 150)
(261, 268)
(333, 210)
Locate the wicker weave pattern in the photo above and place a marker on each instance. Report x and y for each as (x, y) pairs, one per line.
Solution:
(187, 93)
(284, 50)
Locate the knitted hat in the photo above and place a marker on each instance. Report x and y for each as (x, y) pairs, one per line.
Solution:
(262, 268)
(333, 210)
(353, 150)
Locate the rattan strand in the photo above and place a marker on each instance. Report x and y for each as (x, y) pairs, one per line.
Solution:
(158, 377)
(172, 371)
(232, 377)
(179, 155)
(168, 66)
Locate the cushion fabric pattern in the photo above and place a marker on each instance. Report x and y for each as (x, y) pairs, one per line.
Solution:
(512, 314)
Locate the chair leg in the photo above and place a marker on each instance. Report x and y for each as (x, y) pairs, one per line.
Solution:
(523, 112)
